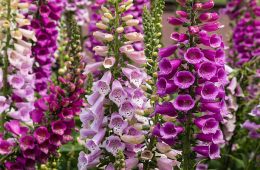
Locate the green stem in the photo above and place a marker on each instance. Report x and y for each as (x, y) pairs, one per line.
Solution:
(187, 144)
(252, 161)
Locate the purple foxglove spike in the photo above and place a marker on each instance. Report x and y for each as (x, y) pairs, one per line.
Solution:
(44, 11)
(93, 98)
(207, 70)
(113, 144)
(168, 67)
(117, 94)
(102, 86)
(183, 103)
(156, 130)
(184, 79)
(138, 98)
(135, 76)
(26, 142)
(131, 163)
(193, 30)
(204, 137)
(29, 154)
(41, 104)
(41, 134)
(194, 55)
(175, 21)
(127, 110)
(210, 27)
(58, 127)
(167, 51)
(215, 41)
(91, 146)
(166, 108)
(209, 91)
(99, 136)
(165, 163)
(255, 112)
(214, 151)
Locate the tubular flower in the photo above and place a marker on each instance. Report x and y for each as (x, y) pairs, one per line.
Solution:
(110, 125)
(199, 79)
(245, 36)
(17, 78)
(53, 119)
(46, 28)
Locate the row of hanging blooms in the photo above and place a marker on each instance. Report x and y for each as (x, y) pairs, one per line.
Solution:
(89, 85)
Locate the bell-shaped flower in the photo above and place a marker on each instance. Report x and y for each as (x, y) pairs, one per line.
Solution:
(41, 134)
(117, 123)
(109, 62)
(208, 17)
(86, 161)
(113, 144)
(168, 67)
(184, 79)
(183, 102)
(90, 68)
(127, 109)
(3, 104)
(137, 57)
(135, 75)
(117, 94)
(179, 37)
(26, 142)
(103, 85)
(207, 125)
(209, 91)
(216, 138)
(167, 51)
(134, 36)
(16, 81)
(165, 163)
(210, 27)
(138, 98)
(169, 131)
(101, 50)
(211, 151)
(207, 70)
(165, 86)
(132, 136)
(163, 147)
(14, 127)
(166, 108)
(194, 55)
(6, 147)
(131, 163)
(215, 41)
(58, 127)
(175, 21)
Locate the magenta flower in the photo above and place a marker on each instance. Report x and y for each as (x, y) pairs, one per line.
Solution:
(207, 70)
(167, 51)
(194, 55)
(211, 151)
(166, 108)
(41, 134)
(209, 91)
(183, 102)
(184, 79)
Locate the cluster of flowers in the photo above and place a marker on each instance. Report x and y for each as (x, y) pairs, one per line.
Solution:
(112, 131)
(136, 10)
(252, 126)
(46, 28)
(246, 34)
(80, 8)
(200, 73)
(16, 76)
(53, 119)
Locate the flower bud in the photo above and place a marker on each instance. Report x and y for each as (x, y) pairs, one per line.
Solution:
(101, 26)
(108, 15)
(23, 5)
(22, 22)
(104, 9)
(104, 20)
(163, 147)
(182, 14)
(6, 24)
(127, 17)
(128, 2)
(109, 62)
(122, 8)
(17, 34)
(120, 30)
(138, 139)
(132, 22)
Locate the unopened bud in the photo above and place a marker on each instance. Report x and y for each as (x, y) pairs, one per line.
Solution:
(108, 37)
(120, 30)
(104, 9)
(122, 8)
(132, 22)
(104, 20)
(128, 2)
(129, 6)
(155, 74)
(127, 17)
(108, 15)
(101, 26)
